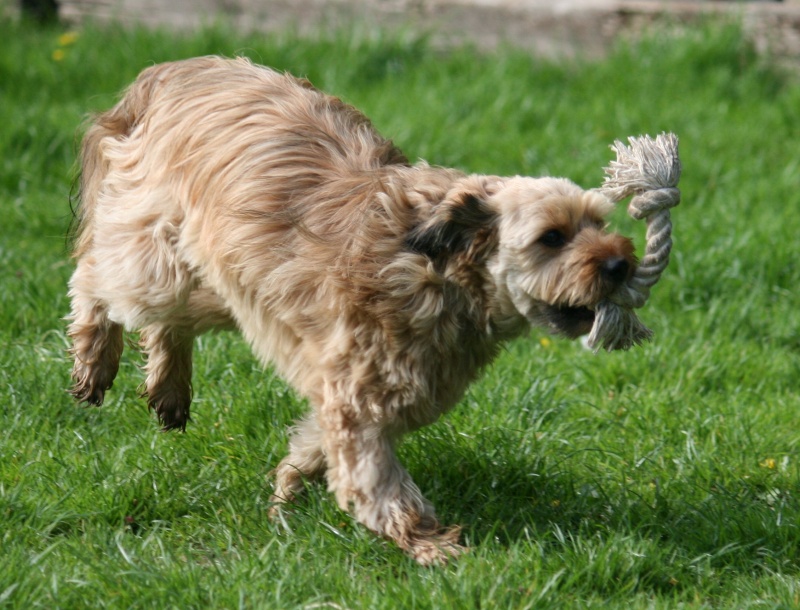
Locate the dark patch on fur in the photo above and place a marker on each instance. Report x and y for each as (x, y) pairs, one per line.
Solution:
(453, 230)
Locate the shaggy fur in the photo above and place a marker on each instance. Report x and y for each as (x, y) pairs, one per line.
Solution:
(221, 194)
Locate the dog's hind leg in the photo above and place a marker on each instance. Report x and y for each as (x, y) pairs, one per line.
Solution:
(168, 345)
(306, 461)
(168, 385)
(96, 340)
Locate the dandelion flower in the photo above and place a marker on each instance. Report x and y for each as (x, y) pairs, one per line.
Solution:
(58, 55)
(67, 38)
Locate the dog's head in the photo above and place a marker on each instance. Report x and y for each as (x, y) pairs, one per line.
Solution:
(542, 242)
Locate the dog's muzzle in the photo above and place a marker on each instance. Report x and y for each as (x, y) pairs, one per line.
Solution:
(575, 321)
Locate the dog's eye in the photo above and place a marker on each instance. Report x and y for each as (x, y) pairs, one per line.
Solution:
(553, 239)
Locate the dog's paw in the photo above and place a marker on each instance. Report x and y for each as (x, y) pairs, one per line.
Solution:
(279, 506)
(276, 510)
(83, 392)
(89, 383)
(436, 549)
(172, 411)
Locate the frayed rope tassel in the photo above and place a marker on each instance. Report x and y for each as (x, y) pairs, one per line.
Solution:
(649, 169)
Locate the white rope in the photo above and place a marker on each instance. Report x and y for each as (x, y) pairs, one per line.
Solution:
(649, 169)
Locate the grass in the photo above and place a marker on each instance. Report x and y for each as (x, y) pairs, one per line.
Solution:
(664, 477)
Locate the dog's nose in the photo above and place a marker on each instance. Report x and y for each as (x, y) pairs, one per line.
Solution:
(615, 268)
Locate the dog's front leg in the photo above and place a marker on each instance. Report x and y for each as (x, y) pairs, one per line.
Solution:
(306, 460)
(365, 474)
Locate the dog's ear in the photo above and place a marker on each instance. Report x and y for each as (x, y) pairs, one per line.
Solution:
(463, 218)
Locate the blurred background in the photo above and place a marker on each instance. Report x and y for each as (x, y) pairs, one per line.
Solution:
(549, 28)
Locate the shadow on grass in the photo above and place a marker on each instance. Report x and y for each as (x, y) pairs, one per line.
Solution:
(500, 497)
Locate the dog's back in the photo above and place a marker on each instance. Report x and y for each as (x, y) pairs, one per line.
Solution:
(182, 110)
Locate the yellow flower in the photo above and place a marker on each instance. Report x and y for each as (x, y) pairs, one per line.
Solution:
(768, 463)
(58, 55)
(545, 342)
(67, 38)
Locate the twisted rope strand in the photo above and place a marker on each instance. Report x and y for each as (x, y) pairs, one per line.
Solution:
(649, 169)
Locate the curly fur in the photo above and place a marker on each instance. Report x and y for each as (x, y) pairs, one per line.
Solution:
(221, 194)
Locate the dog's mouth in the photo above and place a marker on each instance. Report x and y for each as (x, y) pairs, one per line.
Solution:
(571, 322)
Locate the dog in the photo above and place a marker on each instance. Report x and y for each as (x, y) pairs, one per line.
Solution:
(219, 194)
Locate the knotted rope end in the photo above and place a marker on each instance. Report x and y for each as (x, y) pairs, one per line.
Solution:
(647, 164)
(649, 169)
(616, 328)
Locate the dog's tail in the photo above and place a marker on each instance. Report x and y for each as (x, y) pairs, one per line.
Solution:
(116, 123)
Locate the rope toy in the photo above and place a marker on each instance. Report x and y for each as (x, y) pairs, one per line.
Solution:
(649, 169)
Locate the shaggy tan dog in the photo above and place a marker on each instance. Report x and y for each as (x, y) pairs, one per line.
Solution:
(221, 194)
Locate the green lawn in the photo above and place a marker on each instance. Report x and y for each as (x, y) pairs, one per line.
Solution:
(663, 477)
